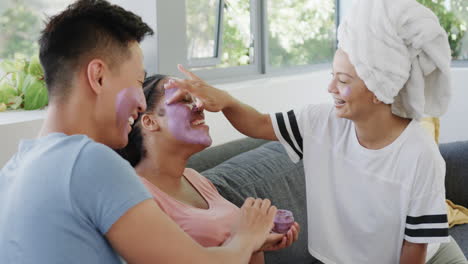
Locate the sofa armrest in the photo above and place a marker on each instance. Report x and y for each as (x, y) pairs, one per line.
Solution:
(456, 177)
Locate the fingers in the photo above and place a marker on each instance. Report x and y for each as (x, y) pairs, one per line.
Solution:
(187, 73)
(249, 202)
(179, 95)
(171, 83)
(297, 229)
(290, 236)
(199, 104)
(265, 205)
(258, 203)
(283, 243)
(272, 211)
(186, 85)
(274, 238)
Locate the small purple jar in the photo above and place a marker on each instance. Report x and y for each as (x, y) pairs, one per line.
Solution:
(284, 219)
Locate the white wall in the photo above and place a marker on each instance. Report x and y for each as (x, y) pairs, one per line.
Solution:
(454, 124)
(270, 95)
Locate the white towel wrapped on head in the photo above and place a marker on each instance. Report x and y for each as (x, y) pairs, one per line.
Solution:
(401, 53)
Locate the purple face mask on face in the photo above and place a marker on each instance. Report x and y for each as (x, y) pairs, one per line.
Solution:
(346, 91)
(179, 118)
(127, 102)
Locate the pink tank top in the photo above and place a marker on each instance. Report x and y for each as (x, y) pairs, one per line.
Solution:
(209, 227)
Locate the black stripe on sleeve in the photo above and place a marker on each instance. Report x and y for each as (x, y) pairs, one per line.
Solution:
(427, 219)
(295, 129)
(427, 232)
(285, 134)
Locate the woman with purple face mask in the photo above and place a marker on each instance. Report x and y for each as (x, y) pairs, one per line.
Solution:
(162, 140)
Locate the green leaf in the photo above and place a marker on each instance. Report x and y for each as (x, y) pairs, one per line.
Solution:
(20, 56)
(12, 65)
(6, 87)
(7, 92)
(35, 67)
(22, 79)
(35, 95)
(3, 107)
(14, 102)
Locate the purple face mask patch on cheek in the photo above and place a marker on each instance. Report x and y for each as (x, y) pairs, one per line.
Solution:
(345, 91)
(179, 117)
(126, 104)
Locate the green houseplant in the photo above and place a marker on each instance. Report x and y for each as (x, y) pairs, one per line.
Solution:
(22, 85)
(450, 20)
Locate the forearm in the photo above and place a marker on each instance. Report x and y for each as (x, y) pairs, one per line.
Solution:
(233, 252)
(412, 253)
(136, 233)
(248, 120)
(412, 259)
(257, 258)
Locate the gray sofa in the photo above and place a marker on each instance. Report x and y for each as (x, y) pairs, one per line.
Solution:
(258, 168)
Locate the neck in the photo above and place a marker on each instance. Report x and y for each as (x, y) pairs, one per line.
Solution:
(70, 118)
(164, 164)
(380, 129)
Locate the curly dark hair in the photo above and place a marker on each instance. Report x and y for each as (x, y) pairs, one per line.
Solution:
(86, 29)
(135, 151)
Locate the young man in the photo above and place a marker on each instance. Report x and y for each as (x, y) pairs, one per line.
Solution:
(67, 197)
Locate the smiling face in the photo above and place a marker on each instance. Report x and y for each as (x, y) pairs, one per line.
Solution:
(121, 98)
(179, 123)
(352, 98)
(126, 102)
(186, 122)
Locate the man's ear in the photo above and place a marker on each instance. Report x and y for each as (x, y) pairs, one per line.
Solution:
(149, 122)
(95, 73)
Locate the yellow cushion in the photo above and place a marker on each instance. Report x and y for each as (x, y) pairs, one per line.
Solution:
(432, 126)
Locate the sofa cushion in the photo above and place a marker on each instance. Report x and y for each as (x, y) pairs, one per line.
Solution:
(213, 156)
(266, 172)
(460, 234)
(456, 178)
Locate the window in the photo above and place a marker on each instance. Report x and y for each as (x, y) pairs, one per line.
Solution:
(21, 22)
(258, 35)
(279, 34)
(459, 35)
(225, 34)
(301, 32)
(238, 42)
(453, 17)
(203, 31)
(225, 38)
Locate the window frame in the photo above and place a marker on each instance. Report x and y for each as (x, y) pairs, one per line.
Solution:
(256, 68)
(260, 68)
(218, 47)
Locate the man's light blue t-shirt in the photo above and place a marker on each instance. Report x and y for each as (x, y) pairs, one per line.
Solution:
(59, 195)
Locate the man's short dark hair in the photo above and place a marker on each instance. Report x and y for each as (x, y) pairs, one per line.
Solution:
(86, 29)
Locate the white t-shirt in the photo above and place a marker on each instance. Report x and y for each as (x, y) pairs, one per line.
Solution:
(362, 203)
